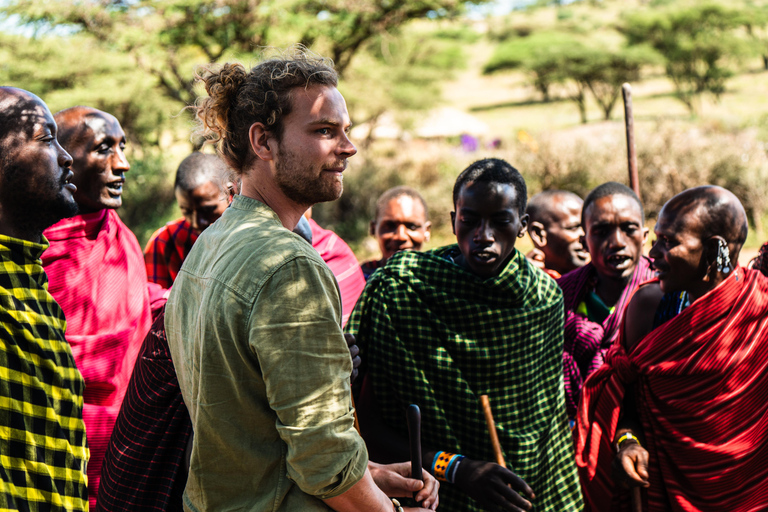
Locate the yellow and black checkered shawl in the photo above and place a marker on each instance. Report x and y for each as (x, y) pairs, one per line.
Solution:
(433, 334)
(43, 451)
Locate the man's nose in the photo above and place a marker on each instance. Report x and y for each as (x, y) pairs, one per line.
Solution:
(346, 148)
(400, 232)
(119, 161)
(484, 232)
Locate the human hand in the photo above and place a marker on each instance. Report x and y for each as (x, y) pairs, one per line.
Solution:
(630, 466)
(354, 353)
(493, 485)
(395, 481)
(536, 256)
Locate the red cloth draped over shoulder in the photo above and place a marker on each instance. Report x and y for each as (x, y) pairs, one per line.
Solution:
(96, 273)
(342, 262)
(585, 343)
(701, 389)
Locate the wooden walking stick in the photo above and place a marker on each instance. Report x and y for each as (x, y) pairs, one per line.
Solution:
(486, 405)
(413, 414)
(637, 500)
(634, 184)
(629, 124)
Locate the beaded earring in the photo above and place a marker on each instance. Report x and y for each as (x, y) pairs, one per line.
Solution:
(723, 257)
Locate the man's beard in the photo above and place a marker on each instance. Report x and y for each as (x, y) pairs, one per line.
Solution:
(297, 184)
(30, 207)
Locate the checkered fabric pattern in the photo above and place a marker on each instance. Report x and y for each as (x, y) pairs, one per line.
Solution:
(144, 467)
(43, 451)
(166, 250)
(760, 262)
(435, 335)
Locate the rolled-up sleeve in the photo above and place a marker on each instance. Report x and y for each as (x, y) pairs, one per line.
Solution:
(296, 335)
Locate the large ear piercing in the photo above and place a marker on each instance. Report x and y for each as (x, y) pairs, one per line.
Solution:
(723, 257)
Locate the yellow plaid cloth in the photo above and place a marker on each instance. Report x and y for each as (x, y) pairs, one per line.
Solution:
(43, 451)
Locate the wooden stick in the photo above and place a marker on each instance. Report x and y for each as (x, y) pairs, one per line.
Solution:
(413, 414)
(637, 500)
(629, 124)
(486, 405)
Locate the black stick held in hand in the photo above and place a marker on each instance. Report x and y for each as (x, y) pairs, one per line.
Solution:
(413, 414)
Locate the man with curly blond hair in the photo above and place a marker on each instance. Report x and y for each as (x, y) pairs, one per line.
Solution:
(254, 316)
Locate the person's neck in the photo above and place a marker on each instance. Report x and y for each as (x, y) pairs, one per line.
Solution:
(20, 232)
(267, 192)
(610, 290)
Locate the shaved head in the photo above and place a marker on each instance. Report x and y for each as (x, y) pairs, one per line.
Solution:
(699, 234)
(17, 107)
(712, 211)
(75, 124)
(542, 207)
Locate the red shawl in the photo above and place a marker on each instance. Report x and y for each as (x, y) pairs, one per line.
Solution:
(701, 384)
(585, 343)
(96, 273)
(342, 262)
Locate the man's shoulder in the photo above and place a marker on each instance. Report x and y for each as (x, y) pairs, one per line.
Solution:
(242, 251)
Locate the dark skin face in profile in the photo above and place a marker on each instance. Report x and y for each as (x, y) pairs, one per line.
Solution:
(688, 233)
(559, 235)
(36, 187)
(97, 143)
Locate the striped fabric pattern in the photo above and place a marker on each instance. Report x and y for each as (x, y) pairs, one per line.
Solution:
(701, 390)
(96, 273)
(342, 262)
(43, 451)
(144, 467)
(586, 342)
(435, 335)
(166, 250)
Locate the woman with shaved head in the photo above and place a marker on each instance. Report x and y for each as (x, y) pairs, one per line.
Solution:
(679, 408)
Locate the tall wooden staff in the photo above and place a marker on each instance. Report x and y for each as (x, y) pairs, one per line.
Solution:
(486, 405)
(629, 124)
(634, 184)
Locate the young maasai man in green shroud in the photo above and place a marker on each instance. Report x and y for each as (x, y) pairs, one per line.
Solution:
(442, 327)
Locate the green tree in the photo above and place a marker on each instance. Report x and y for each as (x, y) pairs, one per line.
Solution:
(540, 55)
(603, 72)
(755, 20)
(698, 43)
(576, 62)
(167, 38)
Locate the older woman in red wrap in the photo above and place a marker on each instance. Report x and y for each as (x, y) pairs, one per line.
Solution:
(96, 273)
(680, 409)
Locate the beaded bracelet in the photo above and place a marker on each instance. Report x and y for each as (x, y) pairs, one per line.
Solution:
(396, 504)
(445, 465)
(626, 436)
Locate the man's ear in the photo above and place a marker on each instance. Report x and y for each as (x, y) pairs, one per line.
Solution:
(427, 231)
(260, 139)
(645, 235)
(372, 228)
(453, 222)
(538, 233)
(523, 226)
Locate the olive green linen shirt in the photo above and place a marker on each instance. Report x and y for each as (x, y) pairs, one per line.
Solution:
(254, 327)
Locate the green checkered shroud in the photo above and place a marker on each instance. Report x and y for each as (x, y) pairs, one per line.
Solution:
(43, 451)
(435, 335)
